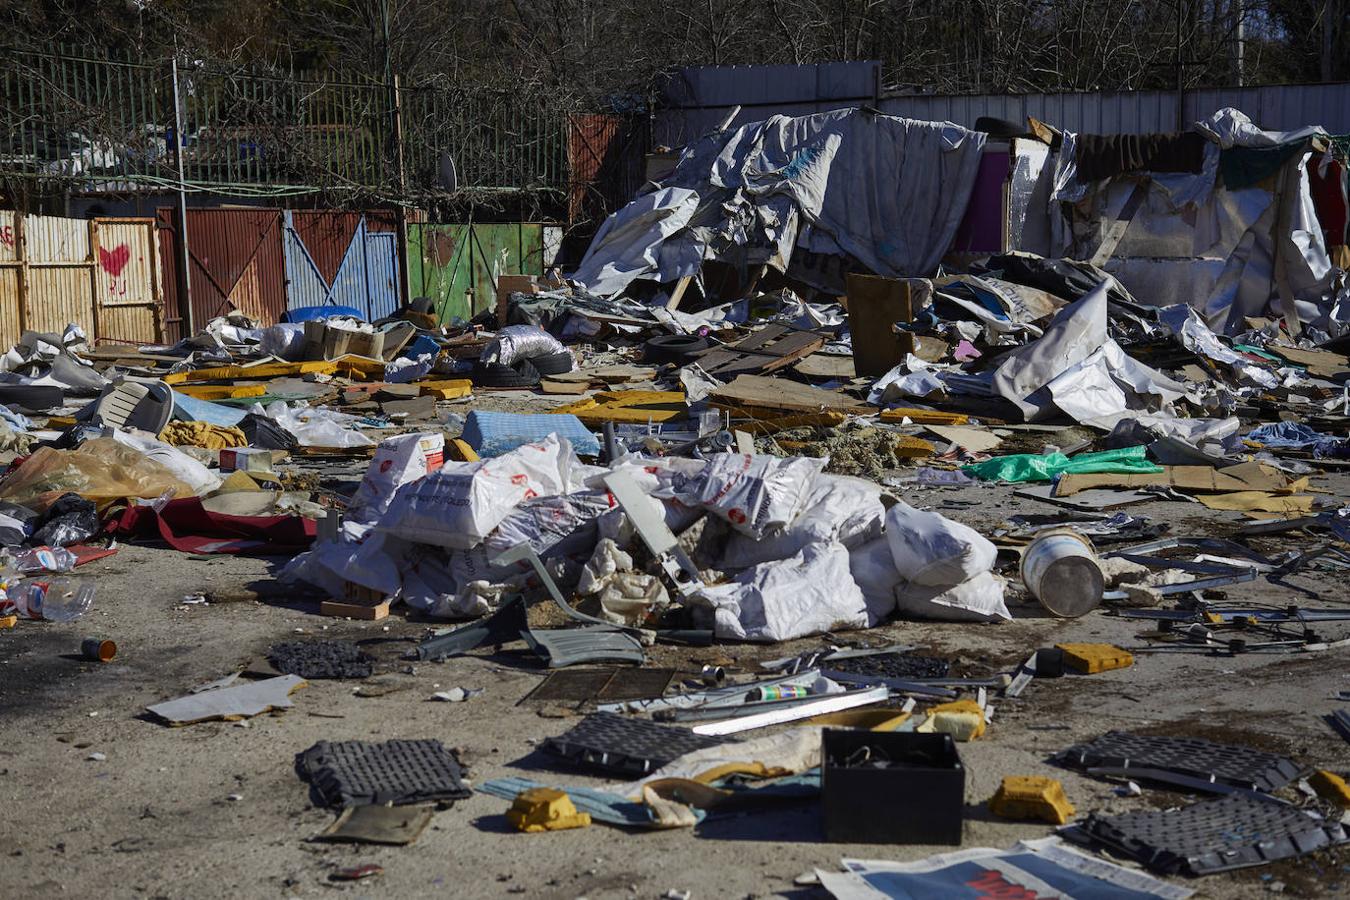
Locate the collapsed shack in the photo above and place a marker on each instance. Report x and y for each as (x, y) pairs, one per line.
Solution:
(771, 407)
(1235, 221)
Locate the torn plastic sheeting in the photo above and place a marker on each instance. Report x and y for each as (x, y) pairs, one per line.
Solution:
(460, 505)
(1187, 326)
(494, 433)
(1296, 436)
(101, 470)
(316, 426)
(836, 508)
(185, 525)
(191, 409)
(188, 470)
(809, 593)
(1021, 467)
(628, 245)
(556, 524)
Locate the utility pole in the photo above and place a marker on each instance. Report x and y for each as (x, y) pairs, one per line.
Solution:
(1239, 40)
(184, 273)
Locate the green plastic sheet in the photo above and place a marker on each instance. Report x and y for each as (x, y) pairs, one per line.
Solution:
(1049, 466)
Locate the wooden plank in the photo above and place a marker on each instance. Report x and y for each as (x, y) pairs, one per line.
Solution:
(239, 373)
(1115, 232)
(780, 394)
(770, 348)
(922, 416)
(677, 293)
(221, 391)
(370, 612)
(549, 386)
(874, 305)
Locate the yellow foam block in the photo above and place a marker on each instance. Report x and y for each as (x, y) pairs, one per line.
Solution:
(8, 622)
(545, 809)
(450, 389)
(1093, 658)
(1331, 787)
(910, 447)
(1031, 797)
(962, 719)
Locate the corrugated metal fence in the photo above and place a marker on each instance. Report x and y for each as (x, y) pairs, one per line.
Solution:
(262, 262)
(1274, 107)
(697, 98)
(102, 274)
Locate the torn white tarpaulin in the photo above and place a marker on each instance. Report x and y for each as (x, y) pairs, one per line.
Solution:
(628, 244)
(808, 593)
(1185, 323)
(1077, 369)
(886, 191)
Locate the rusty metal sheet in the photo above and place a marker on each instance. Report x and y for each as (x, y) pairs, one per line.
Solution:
(236, 263)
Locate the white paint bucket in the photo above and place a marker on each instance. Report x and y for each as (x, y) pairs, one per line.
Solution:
(1061, 571)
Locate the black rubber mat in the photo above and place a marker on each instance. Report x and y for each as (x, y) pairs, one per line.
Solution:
(320, 659)
(1226, 764)
(1230, 832)
(890, 665)
(626, 746)
(605, 685)
(358, 773)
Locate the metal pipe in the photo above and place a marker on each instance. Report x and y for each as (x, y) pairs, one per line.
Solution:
(185, 274)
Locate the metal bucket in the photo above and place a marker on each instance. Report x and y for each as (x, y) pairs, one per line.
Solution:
(1061, 571)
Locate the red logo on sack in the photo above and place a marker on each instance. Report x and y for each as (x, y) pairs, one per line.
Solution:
(519, 479)
(993, 885)
(737, 516)
(386, 465)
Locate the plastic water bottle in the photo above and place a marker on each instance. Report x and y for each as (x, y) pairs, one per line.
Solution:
(53, 599)
(45, 559)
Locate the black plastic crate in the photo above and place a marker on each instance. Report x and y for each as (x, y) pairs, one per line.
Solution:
(917, 797)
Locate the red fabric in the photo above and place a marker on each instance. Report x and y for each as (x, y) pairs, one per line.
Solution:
(188, 527)
(1329, 199)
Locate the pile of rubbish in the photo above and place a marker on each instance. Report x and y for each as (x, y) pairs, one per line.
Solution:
(638, 457)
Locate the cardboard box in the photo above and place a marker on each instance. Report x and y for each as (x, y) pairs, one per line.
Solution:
(874, 305)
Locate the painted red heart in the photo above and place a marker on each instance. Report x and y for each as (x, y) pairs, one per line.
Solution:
(113, 263)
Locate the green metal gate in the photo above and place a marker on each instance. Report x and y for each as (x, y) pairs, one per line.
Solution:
(457, 265)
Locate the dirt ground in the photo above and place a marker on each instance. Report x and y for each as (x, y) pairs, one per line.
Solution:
(216, 809)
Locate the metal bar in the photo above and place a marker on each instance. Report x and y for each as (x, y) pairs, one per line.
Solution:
(827, 704)
(185, 284)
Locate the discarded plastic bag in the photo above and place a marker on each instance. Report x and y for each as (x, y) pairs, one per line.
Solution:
(930, 549)
(809, 593)
(187, 469)
(1019, 467)
(317, 427)
(516, 342)
(460, 505)
(101, 470)
(626, 597)
(757, 494)
(286, 340)
(836, 508)
(979, 599)
(70, 520)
